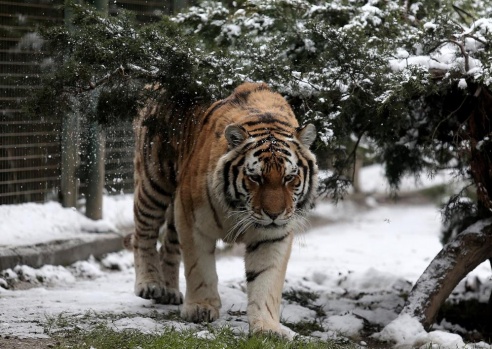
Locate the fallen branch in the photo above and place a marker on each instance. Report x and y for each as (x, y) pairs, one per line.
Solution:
(460, 256)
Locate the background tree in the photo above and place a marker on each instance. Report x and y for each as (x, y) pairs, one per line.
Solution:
(411, 79)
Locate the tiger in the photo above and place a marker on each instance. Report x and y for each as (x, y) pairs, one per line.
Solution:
(239, 170)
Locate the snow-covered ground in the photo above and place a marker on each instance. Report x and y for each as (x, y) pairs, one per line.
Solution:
(29, 224)
(361, 265)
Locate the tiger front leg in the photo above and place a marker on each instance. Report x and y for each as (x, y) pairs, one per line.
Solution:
(202, 300)
(266, 264)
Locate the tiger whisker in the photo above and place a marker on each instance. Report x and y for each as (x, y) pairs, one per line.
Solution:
(236, 213)
(243, 228)
(243, 224)
(237, 226)
(301, 222)
(300, 225)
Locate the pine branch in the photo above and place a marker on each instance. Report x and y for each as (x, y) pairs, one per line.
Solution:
(462, 12)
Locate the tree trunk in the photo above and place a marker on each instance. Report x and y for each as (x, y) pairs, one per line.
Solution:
(480, 130)
(458, 257)
(489, 307)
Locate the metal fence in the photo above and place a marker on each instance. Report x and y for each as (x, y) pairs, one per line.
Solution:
(30, 148)
(118, 163)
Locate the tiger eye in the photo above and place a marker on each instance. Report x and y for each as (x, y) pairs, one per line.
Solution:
(289, 178)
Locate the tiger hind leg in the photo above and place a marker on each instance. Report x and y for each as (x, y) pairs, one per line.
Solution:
(170, 259)
(149, 215)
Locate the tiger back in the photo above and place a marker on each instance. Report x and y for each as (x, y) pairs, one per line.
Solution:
(240, 171)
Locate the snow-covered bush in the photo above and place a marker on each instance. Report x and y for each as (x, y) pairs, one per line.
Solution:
(400, 77)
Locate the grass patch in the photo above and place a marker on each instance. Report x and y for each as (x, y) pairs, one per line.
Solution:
(103, 337)
(301, 297)
(306, 299)
(97, 331)
(305, 328)
(62, 323)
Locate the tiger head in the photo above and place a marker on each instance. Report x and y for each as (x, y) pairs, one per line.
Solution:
(268, 176)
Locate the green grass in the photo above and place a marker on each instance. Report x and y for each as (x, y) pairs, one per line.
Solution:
(304, 328)
(306, 299)
(103, 337)
(301, 297)
(93, 330)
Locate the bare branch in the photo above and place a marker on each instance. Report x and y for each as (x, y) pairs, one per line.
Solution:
(95, 84)
(478, 92)
(449, 116)
(437, 46)
(354, 152)
(463, 52)
(462, 12)
(106, 78)
(306, 82)
(475, 38)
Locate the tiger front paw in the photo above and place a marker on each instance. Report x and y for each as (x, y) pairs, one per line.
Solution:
(199, 312)
(271, 328)
(149, 290)
(171, 296)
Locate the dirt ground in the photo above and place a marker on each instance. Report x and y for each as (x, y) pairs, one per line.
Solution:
(28, 343)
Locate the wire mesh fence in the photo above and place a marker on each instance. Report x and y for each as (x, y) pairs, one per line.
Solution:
(30, 147)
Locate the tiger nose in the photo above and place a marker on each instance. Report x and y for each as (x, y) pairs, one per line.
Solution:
(273, 215)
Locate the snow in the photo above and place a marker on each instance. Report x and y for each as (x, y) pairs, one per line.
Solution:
(424, 61)
(358, 260)
(405, 330)
(462, 84)
(347, 325)
(448, 55)
(374, 180)
(51, 221)
(430, 26)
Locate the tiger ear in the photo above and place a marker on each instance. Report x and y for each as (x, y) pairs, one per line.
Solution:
(235, 135)
(306, 134)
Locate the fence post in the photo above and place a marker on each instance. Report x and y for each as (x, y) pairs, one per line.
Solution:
(95, 171)
(69, 160)
(96, 155)
(69, 147)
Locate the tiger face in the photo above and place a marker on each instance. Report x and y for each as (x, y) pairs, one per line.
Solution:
(273, 181)
(269, 179)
